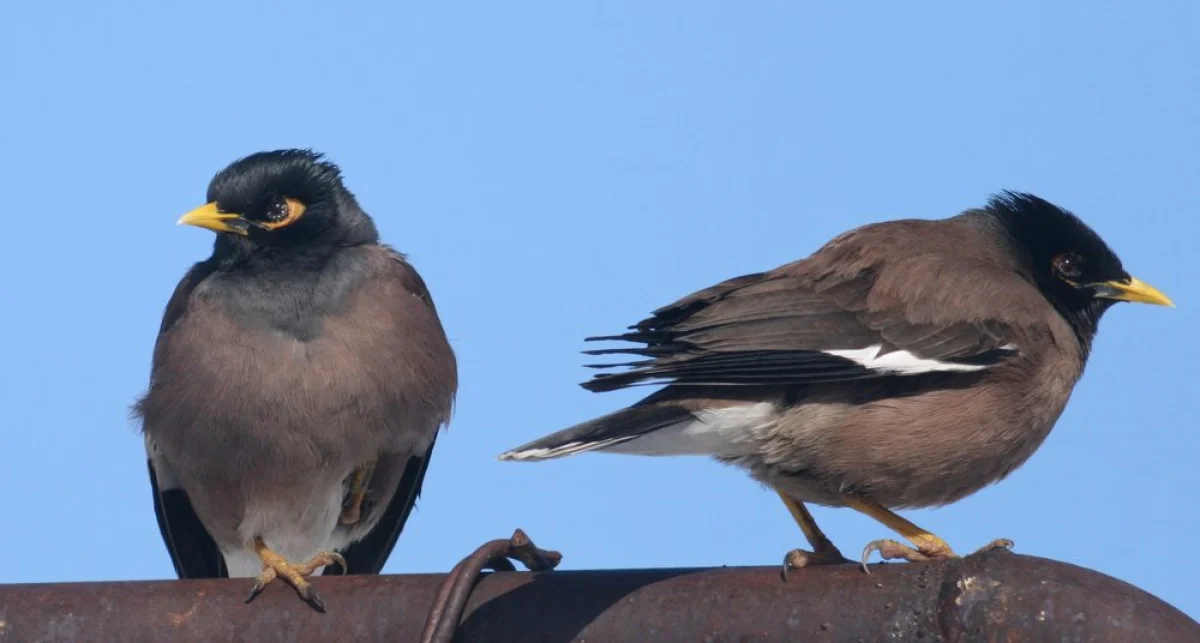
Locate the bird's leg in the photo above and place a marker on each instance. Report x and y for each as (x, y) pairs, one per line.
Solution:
(928, 546)
(352, 507)
(276, 566)
(824, 551)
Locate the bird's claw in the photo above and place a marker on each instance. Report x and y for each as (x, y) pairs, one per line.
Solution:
(323, 559)
(999, 543)
(800, 558)
(257, 589)
(793, 560)
(311, 597)
(893, 550)
(275, 566)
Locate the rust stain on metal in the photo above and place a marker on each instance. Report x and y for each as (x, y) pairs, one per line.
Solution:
(180, 619)
(998, 596)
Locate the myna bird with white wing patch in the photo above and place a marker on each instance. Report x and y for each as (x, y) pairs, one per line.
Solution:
(299, 380)
(904, 364)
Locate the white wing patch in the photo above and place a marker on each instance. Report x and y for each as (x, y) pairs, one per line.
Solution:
(905, 363)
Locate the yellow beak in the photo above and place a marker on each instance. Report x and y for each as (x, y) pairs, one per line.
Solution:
(1134, 290)
(209, 217)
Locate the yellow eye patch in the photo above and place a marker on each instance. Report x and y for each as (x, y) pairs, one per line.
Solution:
(283, 214)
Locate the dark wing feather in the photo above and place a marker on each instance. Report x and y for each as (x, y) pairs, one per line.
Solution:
(193, 551)
(368, 555)
(776, 328)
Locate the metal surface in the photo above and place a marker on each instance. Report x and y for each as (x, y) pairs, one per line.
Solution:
(997, 596)
(451, 600)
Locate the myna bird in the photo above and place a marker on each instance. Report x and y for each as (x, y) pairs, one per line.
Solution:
(299, 380)
(904, 364)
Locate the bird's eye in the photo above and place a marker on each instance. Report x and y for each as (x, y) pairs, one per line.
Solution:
(280, 212)
(1068, 265)
(277, 211)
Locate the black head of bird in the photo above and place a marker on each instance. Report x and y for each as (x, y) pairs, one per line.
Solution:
(281, 198)
(1074, 268)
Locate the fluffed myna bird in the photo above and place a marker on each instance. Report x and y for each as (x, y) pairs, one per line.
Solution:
(904, 364)
(299, 380)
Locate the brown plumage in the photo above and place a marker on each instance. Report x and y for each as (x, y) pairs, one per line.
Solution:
(904, 364)
(298, 383)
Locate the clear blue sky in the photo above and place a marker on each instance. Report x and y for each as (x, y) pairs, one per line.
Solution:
(559, 169)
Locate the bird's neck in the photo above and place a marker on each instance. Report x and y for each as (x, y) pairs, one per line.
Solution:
(288, 292)
(1085, 322)
(240, 256)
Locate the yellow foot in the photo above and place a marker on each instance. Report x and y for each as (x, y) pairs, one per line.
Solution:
(934, 549)
(824, 551)
(800, 558)
(352, 506)
(275, 566)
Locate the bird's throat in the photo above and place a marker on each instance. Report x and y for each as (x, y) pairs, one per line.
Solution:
(288, 293)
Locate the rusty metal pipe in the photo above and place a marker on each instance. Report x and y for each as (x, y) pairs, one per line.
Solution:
(997, 596)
